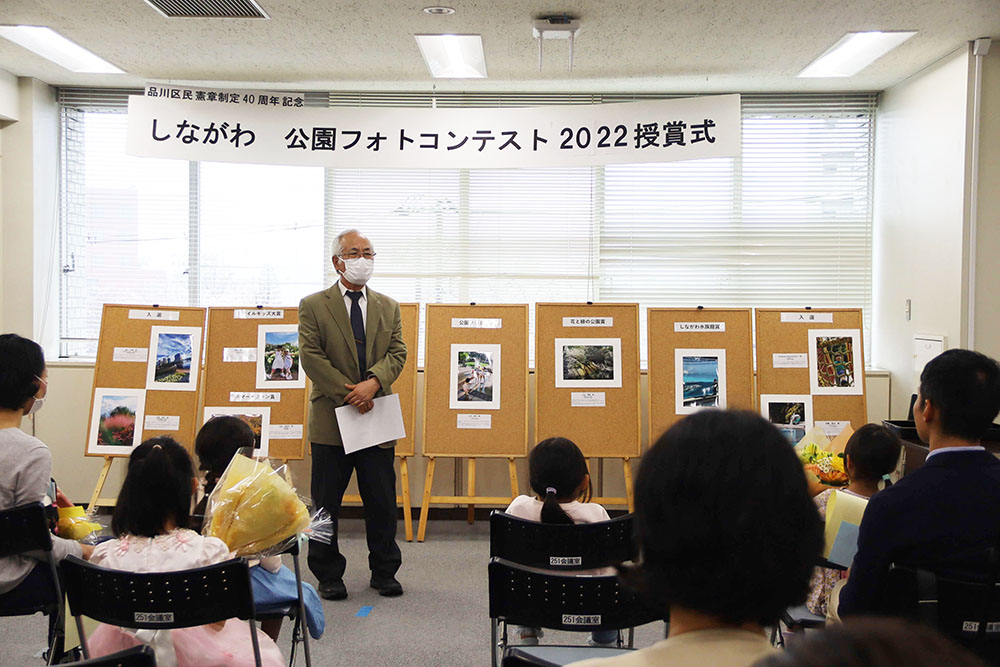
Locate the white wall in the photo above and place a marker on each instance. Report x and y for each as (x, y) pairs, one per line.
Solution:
(8, 97)
(29, 262)
(920, 166)
(987, 327)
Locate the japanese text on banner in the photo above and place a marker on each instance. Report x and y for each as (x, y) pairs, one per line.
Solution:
(552, 136)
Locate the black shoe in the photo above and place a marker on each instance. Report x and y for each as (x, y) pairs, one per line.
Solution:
(387, 586)
(333, 590)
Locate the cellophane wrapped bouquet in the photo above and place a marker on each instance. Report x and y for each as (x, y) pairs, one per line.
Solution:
(256, 512)
(820, 460)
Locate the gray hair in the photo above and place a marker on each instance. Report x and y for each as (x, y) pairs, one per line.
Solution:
(338, 243)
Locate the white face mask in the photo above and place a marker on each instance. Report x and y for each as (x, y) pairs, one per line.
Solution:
(358, 270)
(39, 402)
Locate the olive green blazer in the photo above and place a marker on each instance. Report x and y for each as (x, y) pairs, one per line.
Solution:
(330, 359)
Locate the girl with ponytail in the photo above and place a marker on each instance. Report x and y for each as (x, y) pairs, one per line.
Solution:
(150, 523)
(559, 477)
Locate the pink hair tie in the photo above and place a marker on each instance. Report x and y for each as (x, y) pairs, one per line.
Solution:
(551, 490)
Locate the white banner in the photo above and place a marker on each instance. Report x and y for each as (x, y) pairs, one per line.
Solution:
(372, 137)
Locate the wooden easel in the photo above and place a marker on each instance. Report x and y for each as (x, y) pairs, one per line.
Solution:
(404, 499)
(628, 500)
(471, 498)
(95, 499)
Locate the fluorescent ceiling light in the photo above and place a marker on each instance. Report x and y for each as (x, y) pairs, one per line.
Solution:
(49, 44)
(854, 52)
(453, 56)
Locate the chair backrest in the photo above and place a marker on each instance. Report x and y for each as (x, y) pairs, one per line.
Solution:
(137, 656)
(24, 528)
(159, 600)
(537, 598)
(967, 611)
(568, 547)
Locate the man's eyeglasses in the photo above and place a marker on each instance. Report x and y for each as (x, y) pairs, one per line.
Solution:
(355, 255)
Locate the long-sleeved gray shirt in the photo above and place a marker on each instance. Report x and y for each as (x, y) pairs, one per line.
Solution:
(25, 470)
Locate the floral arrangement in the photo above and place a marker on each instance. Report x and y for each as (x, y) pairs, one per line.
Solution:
(825, 465)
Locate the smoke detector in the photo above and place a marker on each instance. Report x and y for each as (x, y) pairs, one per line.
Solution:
(560, 26)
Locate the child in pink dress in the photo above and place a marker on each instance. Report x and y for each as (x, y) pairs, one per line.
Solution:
(150, 520)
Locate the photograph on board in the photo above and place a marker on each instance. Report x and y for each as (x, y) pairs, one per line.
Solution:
(174, 357)
(588, 362)
(791, 413)
(834, 366)
(699, 380)
(116, 421)
(475, 376)
(278, 357)
(258, 419)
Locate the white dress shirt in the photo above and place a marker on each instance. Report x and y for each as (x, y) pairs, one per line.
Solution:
(362, 303)
(968, 448)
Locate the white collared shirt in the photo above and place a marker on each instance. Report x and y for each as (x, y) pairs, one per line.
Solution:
(362, 303)
(970, 448)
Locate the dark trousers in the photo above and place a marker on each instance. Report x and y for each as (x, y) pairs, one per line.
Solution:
(331, 471)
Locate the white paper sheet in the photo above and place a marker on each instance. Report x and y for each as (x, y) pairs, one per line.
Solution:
(587, 399)
(790, 360)
(384, 422)
(162, 423)
(131, 354)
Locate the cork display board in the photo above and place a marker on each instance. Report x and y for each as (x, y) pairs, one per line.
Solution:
(715, 346)
(476, 381)
(787, 366)
(406, 384)
(590, 393)
(239, 383)
(134, 397)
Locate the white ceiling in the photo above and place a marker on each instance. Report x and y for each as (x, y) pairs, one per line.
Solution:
(693, 46)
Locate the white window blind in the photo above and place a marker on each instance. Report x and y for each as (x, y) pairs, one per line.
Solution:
(786, 224)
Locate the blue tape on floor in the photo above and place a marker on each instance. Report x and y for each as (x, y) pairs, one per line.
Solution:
(364, 611)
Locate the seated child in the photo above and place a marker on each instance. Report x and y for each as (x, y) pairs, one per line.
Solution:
(273, 583)
(150, 521)
(558, 475)
(870, 455)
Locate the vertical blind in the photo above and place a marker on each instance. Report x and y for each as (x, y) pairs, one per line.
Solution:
(788, 223)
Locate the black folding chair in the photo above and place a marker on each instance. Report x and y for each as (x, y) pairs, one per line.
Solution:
(799, 617)
(295, 611)
(25, 528)
(533, 597)
(160, 600)
(137, 656)
(966, 610)
(555, 656)
(578, 546)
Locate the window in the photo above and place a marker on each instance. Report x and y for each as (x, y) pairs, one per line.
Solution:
(786, 224)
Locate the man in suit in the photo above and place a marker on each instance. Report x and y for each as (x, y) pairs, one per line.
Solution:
(941, 517)
(351, 341)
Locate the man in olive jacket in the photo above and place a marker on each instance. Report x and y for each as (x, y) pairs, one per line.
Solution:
(352, 349)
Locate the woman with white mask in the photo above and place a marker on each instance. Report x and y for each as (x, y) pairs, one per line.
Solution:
(26, 470)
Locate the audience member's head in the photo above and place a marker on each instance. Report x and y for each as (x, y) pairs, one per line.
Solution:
(218, 441)
(22, 370)
(557, 472)
(872, 642)
(963, 390)
(157, 489)
(872, 453)
(724, 520)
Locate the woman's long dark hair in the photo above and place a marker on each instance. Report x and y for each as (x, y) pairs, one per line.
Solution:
(557, 468)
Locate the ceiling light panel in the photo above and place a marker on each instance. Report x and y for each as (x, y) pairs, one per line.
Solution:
(453, 56)
(50, 45)
(854, 52)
